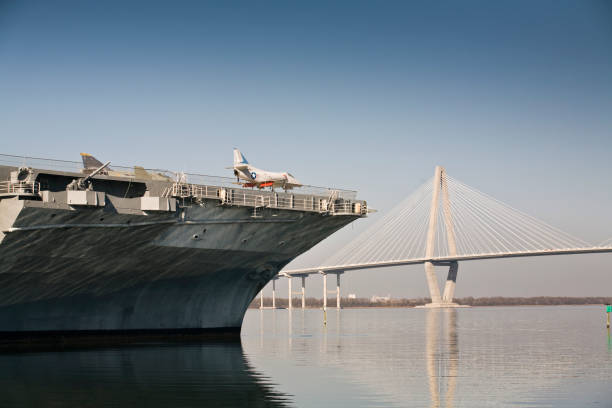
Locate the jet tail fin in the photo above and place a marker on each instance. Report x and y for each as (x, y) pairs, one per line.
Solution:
(239, 160)
(239, 157)
(141, 173)
(90, 162)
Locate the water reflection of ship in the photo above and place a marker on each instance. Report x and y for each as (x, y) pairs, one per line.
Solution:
(214, 375)
(442, 354)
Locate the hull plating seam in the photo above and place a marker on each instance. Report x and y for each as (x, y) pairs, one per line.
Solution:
(145, 224)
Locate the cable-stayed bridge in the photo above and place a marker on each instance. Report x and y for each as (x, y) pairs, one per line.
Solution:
(443, 222)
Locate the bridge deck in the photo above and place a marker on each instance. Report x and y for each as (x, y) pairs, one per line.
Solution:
(568, 251)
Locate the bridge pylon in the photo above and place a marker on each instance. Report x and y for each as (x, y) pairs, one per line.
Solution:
(440, 193)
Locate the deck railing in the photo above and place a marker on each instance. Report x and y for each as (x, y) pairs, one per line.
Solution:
(269, 199)
(19, 188)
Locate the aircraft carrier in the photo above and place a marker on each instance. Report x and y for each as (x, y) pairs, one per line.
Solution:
(145, 252)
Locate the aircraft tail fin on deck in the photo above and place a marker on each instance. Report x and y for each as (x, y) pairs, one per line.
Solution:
(239, 159)
(90, 162)
(141, 173)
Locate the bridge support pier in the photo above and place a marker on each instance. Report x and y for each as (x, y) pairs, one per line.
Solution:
(432, 283)
(303, 291)
(451, 282)
(289, 300)
(324, 289)
(274, 292)
(338, 289)
(449, 288)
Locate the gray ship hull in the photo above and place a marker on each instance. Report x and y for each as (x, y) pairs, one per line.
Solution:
(114, 268)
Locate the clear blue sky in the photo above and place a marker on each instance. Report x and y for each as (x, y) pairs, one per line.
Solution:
(514, 98)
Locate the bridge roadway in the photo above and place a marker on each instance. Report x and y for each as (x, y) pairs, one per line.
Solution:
(460, 222)
(444, 260)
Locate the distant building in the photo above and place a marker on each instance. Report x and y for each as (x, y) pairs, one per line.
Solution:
(380, 299)
(352, 296)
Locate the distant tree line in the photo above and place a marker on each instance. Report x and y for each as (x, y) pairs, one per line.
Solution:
(470, 301)
(537, 300)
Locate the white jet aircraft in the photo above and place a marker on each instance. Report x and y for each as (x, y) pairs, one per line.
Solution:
(254, 177)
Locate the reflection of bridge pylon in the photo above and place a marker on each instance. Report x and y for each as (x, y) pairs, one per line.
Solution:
(442, 356)
(440, 187)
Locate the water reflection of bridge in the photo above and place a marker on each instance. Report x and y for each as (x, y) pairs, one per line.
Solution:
(386, 368)
(442, 223)
(442, 354)
(437, 357)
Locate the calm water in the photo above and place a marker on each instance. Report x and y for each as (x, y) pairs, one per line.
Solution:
(480, 357)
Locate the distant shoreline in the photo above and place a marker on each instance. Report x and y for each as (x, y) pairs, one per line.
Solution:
(410, 307)
(364, 303)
